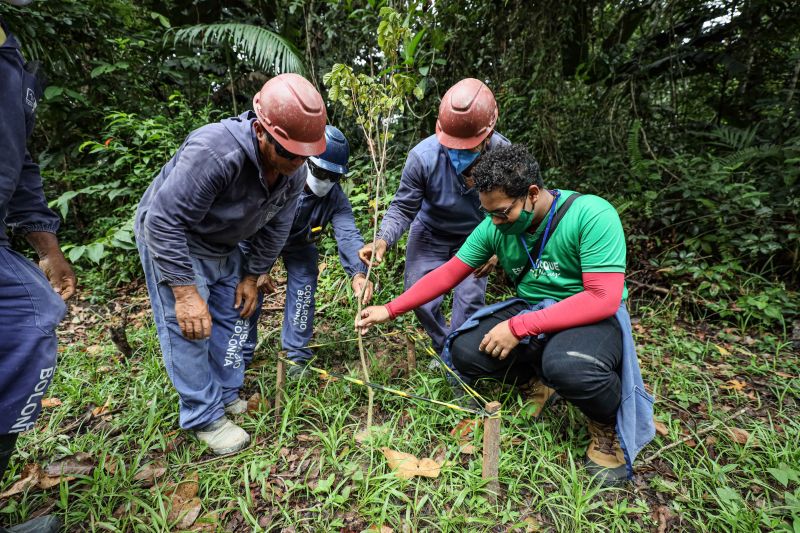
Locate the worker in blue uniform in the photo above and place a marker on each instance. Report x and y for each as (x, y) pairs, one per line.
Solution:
(438, 205)
(31, 298)
(322, 201)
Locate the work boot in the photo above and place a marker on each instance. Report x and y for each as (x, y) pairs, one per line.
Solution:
(298, 371)
(604, 459)
(41, 524)
(223, 436)
(236, 407)
(537, 393)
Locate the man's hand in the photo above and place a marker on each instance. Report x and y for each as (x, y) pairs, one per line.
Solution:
(59, 274)
(366, 256)
(486, 268)
(53, 263)
(266, 284)
(191, 312)
(499, 341)
(375, 314)
(247, 295)
(360, 284)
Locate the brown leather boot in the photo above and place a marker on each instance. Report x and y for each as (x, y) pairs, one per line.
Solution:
(604, 458)
(536, 392)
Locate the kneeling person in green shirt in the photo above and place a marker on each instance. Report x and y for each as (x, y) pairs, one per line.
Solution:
(568, 331)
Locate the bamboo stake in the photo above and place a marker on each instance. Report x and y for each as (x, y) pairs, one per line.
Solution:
(280, 382)
(411, 354)
(491, 450)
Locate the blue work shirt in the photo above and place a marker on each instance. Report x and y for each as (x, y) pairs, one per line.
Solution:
(23, 207)
(210, 196)
(431, 191)
(314, 211)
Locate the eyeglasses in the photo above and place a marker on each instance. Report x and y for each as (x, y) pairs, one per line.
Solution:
(283, 152)
(503, 214)
(323, 174)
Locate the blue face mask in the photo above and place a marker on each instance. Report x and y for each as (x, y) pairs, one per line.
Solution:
(462, 159)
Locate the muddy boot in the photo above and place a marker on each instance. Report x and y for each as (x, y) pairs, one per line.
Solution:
(604, 459)
(537, 393)
(223, 436)
(41, 524)
(236, 407)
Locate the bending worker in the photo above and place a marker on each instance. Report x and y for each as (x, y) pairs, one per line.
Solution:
(226, 182)
(438, 201)
(568, 329)
(322, 201)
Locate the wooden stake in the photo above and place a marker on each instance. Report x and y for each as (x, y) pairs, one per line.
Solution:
(280, 381)
(411, 355)
(491, 450)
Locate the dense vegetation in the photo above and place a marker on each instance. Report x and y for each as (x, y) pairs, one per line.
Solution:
(683, 113)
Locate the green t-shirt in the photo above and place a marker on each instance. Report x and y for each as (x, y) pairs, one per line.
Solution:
(588, 239)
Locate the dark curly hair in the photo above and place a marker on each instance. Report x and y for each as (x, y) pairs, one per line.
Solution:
(511, 169)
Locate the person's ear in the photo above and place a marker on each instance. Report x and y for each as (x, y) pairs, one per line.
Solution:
(533, 192)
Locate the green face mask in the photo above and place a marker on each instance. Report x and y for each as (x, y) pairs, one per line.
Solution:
(517, 227)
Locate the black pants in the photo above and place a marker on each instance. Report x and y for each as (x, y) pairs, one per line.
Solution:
(581, 363)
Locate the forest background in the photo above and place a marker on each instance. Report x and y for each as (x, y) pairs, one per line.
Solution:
(684, 114)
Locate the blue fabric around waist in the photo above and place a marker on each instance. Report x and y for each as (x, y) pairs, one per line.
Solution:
(635, 426)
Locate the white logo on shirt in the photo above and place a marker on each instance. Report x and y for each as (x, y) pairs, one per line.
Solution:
(30, 99)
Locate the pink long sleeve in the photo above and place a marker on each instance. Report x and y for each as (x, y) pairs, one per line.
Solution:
(431, 285)
(599, 300)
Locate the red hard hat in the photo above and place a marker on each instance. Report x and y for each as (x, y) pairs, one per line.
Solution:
(467, 114)
(292, 111)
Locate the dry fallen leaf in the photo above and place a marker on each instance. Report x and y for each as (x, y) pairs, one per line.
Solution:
(103, 409)
(739, 435)
(467, 449)
(256, 403)
(185, 489)
(532, 525)
(464, 429)
(80, 464)
(185, 512)
(50, 402)
(734, 384)
(406, 466)
(378, 529)
(28, 478)
(661, 428)
(186, 506)
(150, 472)
(362, 436)
(33, 476)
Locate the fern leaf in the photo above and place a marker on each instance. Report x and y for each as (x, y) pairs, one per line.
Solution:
(268, 50)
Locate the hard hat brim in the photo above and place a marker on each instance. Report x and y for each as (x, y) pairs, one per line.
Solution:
(327, 165)
(459, 143)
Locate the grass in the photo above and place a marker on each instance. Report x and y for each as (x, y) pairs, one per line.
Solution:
(307, 471)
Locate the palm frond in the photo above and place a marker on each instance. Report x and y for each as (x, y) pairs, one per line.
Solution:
(268, 50)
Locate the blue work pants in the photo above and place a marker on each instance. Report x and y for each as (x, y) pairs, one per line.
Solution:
(425, 252)
(207, 373)
(298, 313)
(29, 313)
